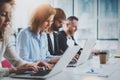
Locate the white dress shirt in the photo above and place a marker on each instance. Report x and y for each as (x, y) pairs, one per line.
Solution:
(70, 41)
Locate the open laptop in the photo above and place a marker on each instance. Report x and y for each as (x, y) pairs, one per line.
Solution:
(59, 66)
(88, 46)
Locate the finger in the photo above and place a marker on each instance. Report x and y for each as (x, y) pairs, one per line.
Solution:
(74, 59)
(41, 63)
(36, 68)
(44, 64)
(32, 69)
(48, 66)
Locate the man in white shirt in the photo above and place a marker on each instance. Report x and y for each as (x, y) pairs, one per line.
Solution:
(67, 35)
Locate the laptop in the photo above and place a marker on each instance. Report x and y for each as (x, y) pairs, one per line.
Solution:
(85, 53)
(59, 66)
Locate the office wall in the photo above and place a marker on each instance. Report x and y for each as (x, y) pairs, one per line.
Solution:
(97, 18)
(23, 10)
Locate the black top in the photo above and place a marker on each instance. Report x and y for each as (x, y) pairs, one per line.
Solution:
(63, 41)
(56, 50)
(55, 28)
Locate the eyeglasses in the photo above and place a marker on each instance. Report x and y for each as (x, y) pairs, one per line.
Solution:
(5, 14)
(61, 21)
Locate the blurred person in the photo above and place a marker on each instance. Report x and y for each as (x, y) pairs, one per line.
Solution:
(52, 38)
(35, 45)
(58, 20)
(66, 36)
(52, 32)
(7, 43)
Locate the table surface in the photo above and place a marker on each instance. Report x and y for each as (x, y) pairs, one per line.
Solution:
(91, 70)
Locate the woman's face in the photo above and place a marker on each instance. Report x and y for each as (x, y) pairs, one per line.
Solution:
(5, 16)
(48, 22)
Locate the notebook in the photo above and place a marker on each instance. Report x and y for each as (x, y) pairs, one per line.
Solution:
(59, 67)
(88, 46)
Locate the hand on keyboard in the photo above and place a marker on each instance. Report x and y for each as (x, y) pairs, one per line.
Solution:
(44, 64)
(42, 71)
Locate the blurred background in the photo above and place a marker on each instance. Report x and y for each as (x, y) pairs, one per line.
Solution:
(97, 18)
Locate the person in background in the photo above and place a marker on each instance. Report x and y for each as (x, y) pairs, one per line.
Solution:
(58, 20)
(66, 36)
(32, 42)
(7, 43)
(52, 38)
(52, 32)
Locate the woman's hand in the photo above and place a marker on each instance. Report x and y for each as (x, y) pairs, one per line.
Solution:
(23, 68)
(44, 64)
(53, 60)
(95, 52)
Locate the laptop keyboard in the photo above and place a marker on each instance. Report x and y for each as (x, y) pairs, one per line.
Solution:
(73, 62)
(41, 72)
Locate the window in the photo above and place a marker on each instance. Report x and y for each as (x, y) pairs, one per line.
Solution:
(66, 5)
(86, 11)
(108, 19)
(98, 18)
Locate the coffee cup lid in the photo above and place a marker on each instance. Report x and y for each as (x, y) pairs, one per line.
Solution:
(103, 52)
